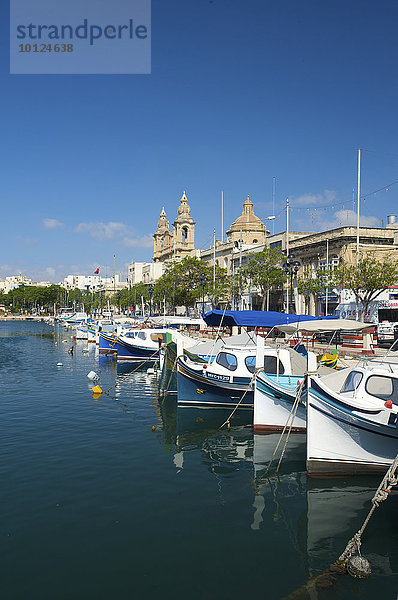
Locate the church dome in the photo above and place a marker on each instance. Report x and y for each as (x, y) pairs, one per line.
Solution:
(253, 229)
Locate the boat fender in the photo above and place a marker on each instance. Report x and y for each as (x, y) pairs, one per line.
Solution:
(93, 376)
(388, 404)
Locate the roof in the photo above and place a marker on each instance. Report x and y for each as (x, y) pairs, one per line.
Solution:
(252, 318)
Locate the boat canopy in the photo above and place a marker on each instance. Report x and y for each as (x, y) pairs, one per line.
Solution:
(324, 325)
(253, 318)
(175, 320)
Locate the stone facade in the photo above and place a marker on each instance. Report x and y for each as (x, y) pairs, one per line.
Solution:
(178, 243)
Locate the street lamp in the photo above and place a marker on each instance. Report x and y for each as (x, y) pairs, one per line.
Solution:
(202, 283)
(291, 268)
(150, 292)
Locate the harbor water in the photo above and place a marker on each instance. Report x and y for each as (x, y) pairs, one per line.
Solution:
(126, 496)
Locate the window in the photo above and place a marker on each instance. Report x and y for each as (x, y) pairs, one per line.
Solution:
(352, 382)
(141, 335)
(224, 359)
(385, 388)
(270, 365)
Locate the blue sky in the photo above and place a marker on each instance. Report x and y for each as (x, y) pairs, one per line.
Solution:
(239, 93)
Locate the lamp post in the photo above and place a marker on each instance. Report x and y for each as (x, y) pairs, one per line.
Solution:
(291, 268)
(150, 292)
(202, 283)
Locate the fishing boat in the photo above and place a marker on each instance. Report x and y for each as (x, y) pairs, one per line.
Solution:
(228, 379)
(138, 344)
(275, 397)
(352, 420)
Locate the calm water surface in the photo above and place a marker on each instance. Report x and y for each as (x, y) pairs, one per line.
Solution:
(95, 505)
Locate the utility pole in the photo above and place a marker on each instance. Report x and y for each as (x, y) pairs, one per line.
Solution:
(273, 204)
(358, 197)
(240, 267)
(222, 216)
(327, 275)
(214, 259)
(287, 252)
(114, 273)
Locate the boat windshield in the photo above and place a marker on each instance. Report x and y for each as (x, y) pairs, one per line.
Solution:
(352, 382)
(270, 365)
(385, 388)
(229, 361)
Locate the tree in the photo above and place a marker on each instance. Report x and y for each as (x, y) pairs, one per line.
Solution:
(180, 284)
(313, 285)
(368, 279)
(264, 271)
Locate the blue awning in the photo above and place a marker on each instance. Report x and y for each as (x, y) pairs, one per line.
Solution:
(252, 318)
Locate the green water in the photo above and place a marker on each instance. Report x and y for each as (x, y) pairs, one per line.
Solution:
(96, 505)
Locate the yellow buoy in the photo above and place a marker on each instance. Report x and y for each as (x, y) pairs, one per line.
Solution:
(153, 428)
(97, 390)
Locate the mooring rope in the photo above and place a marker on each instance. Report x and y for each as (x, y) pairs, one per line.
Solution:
(389, 480)
(227, 422)
(293, 415)
(290, 419)
(329, 576)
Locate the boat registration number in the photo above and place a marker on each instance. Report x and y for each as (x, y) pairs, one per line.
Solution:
(217, 377)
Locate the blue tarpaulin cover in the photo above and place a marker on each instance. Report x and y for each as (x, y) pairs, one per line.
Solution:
(252, 318)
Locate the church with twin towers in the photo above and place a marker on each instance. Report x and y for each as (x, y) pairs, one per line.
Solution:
(180, 241)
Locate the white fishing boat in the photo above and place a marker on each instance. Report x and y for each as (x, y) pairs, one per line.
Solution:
(352, 420)
(275, 395)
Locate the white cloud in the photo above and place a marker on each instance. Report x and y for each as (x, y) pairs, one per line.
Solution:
(103, 231)
(325, 197)
(52, 223)
(143, 242)
(50, 271)
(343, 218)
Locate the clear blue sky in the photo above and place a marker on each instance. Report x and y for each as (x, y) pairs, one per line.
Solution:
(240, 92)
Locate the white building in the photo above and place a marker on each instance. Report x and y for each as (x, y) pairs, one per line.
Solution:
(145, 272)
(93, 283)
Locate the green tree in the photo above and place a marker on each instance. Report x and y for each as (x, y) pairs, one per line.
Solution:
(368, 279)
(264, 271)
(180, 285)
(311, 286)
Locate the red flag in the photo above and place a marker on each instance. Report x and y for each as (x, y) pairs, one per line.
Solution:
(96, 272)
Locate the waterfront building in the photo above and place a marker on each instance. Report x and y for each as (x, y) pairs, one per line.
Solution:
(94, 283)
(145, 272)
(15, 281)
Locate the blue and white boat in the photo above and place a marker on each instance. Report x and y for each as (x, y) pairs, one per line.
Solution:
(352, 425)
(133, 344)
(228, 379)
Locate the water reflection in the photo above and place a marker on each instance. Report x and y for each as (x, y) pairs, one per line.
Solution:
(317, 517)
